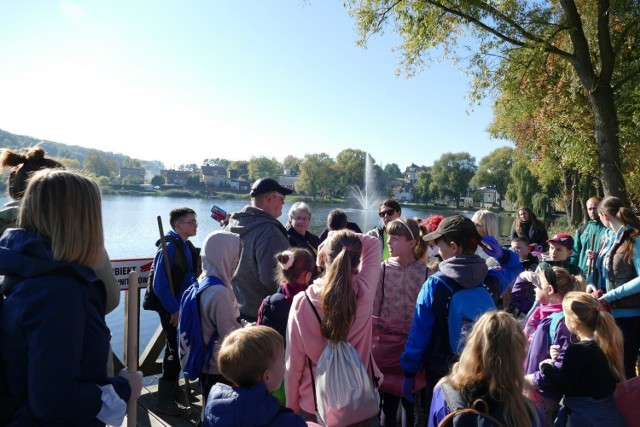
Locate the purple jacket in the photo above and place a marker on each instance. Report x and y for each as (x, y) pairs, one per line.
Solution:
(539, 351)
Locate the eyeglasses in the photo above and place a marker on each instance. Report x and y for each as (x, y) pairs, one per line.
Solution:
(301, 218)
(386, 213)
(193, 222)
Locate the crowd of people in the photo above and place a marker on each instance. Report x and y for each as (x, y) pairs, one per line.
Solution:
(444, 321)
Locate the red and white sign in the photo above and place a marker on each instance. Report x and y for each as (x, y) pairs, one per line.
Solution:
(122, 268)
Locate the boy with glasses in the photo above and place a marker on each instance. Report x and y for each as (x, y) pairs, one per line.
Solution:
(389, 210)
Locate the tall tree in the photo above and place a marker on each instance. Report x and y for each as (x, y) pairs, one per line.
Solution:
(495, 171)
(317, 176)
(292, 163)
(350, 165)
(241, 167)
(595, 37)
(262, 167)
(97, 164)
(452, 173)
(421, 189)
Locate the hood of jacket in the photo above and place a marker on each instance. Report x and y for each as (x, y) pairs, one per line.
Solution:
(249, 218)
(25, 254)
(241, 406)
(220, 255)
(468, 270)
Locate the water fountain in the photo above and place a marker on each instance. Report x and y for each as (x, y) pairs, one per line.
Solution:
(367, 197)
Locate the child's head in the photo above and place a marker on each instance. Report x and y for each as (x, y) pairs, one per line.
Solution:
(341, 254)
(584, 316)
(336, 220)
(431, 224)
(404, 236)
(487, 223)
(23, 166)
(455, 235)
(220, 255)
(560, 247)
(555, 283)
(496, 339)
(520, 245)
(295, 265)
(253, 355)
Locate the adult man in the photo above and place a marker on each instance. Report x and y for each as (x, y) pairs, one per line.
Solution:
(183, 259)
(389, 210)
(262, 236)
(588, 235)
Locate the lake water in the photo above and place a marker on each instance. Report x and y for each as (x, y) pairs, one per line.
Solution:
(131, 230)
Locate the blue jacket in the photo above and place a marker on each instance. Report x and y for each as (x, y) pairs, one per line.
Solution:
(53, 338)
(247, 407)
(171, 302)
(428, 341)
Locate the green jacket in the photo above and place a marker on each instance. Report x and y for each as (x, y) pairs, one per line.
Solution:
(582, 242)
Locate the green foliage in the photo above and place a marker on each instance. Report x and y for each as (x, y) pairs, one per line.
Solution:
(128, 162)
(523, 184)
(392, 170)
(421, 189)
(452, 173)
(350, 166)
(317, 176)
(157, 180)
(97, 164)
(293, 164)
(495, 171)
(217, 161)
(263, 167)
(541, 206)
(242, 167)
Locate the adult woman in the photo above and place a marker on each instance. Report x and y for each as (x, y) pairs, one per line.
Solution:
(54, 336)
(495, 340)
(487, 225)
(401, 279)
(343, 298)
(527, 225)
(618, 270)
(21, 167)
(298, 228)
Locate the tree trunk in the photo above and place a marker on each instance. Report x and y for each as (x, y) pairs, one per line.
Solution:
(608, 143)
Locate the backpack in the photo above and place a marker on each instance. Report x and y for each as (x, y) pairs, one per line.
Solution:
(191, 349)
(178, 269)
(556, 318)
(465, 306)
(8, 403)
(343, 393)
(461, 414)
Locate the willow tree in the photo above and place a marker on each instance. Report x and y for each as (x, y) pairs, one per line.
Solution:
(595, 37)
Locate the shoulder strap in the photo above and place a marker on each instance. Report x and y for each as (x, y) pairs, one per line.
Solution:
(556, 318)
(209, 281)
(456, 405)
(384, 274)
(313, 380)
(313, 307)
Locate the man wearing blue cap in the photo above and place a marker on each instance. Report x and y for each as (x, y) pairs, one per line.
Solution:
(262, 236)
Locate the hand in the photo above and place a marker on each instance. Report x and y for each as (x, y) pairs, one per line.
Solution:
(174, 318)
(590, 254)
(408, 387)
(135, 382)
(529, 383)
(554, 351)
(492, 247)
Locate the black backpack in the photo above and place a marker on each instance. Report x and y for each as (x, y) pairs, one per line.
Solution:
(463, 414)
(179, 268)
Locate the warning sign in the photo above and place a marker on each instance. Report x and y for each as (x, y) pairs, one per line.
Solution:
(122, 268)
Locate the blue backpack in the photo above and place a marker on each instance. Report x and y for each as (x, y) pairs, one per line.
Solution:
(191, 349)
(465, 306)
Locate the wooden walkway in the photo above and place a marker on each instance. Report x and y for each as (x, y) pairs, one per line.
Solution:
(148, 418)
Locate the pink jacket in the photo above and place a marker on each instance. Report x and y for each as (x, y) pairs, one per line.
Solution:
(303, 330)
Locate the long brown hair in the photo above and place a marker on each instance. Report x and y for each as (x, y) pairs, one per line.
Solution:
(585, 309)
(343, 249)
(535, 222)
(613, 206)
(412, 229)
(493, 356)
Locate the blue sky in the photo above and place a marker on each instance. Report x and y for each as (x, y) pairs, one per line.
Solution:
(184, 81)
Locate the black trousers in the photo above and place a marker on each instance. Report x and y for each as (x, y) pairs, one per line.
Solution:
(170, 361)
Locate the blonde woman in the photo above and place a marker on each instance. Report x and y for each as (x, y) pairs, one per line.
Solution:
(54, 336)
(495, 340)
(486, 223)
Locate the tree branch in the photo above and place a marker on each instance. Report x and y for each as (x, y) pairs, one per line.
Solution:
(607, 56)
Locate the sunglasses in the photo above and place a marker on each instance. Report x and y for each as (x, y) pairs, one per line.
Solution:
(386, 213)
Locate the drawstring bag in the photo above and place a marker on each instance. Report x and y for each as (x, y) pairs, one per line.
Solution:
(343, 391)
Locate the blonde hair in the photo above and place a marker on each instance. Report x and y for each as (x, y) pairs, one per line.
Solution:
(65, 207)
(493, 355)
(247, 352)
(585, 310)
(489, 221)
(343, 249)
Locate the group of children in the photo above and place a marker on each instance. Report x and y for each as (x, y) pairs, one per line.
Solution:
(265, 374)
